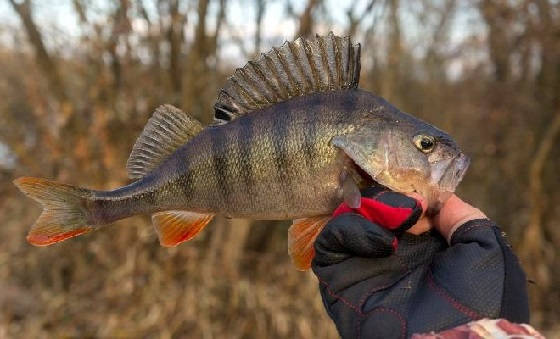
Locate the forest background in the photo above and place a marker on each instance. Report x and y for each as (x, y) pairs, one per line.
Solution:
(80, 78)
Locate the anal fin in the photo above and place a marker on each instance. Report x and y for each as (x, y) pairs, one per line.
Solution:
(301, 237)
(175, 227)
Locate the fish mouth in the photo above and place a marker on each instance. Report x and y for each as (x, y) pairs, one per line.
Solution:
(453, 173)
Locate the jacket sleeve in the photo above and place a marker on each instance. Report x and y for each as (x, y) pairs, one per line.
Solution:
(480, 271)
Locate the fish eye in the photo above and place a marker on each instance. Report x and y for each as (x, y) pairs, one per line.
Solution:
(424, 143)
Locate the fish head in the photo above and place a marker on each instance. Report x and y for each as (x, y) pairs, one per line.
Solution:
(423, 159)
(406, 154)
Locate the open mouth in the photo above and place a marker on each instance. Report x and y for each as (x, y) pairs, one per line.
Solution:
(366, 180)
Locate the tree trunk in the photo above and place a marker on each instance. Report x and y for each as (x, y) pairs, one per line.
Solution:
(306, 21)
(44, 59)
(175, 38)
(532, 248)
(497, 15)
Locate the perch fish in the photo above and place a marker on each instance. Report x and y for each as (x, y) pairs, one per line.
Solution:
(293, 137)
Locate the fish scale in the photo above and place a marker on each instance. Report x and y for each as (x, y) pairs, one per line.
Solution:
(293, 137)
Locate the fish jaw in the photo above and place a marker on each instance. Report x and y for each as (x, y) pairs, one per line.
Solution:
(444, 179)
(448, 181)
(454, 173)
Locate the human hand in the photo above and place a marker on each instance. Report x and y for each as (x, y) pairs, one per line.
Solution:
(369, 289)
(368, 231)
(355, 256)
(454, 213)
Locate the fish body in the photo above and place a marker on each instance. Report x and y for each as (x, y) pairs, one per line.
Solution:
(276, 164)
(284, 147)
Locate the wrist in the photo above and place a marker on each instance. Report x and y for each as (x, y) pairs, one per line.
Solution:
(449, 231)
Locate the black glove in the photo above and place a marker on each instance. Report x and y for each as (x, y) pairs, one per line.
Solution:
(357, 234)
(371, 290)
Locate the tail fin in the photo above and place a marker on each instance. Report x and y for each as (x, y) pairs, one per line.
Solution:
(64, 210)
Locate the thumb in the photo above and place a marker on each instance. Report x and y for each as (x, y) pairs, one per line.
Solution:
(454, 213)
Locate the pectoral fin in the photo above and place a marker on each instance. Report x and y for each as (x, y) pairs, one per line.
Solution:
(301, 237)
(351, 192)
(175, 227)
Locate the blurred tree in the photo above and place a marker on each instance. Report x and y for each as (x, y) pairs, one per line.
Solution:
(488, 72)
(42, 56)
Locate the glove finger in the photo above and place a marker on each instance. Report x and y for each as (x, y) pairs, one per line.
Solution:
(352, 235)
(389, 209)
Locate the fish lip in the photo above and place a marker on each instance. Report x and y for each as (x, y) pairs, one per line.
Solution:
(454, 172)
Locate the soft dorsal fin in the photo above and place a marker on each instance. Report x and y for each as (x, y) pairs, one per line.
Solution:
(294, 69)
(168, 129)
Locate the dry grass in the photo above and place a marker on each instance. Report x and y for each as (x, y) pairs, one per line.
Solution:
(75, 117)
(119, 282)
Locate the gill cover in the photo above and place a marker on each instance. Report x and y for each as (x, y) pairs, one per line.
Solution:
(387, 155)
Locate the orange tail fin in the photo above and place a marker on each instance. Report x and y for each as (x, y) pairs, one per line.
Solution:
(64, 213)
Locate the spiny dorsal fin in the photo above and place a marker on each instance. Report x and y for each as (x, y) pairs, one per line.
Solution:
(295, 69)
(168, 129)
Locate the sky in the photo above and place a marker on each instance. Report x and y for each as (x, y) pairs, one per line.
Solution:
(60, 27)
(60, 23)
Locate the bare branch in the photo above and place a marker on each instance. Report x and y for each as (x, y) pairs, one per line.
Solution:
(80, 9)
(355, 21)
(261, 7)
(175, 38)
(44, 59)
(306, 20)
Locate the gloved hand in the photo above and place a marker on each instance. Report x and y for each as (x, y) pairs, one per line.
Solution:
(372, 290)
(360, 230)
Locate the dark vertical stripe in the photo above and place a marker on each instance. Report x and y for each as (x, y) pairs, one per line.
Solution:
(149, 197)
(282, 161)
(186, 182)
(219, 162)
(310, 143)
(244, 147)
